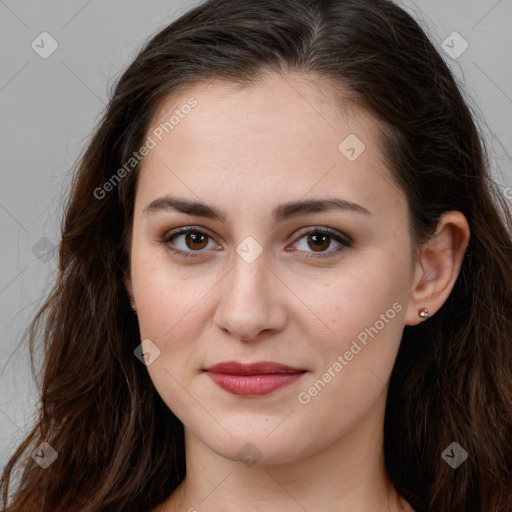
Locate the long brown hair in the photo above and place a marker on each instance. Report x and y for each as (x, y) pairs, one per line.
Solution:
(119, 446)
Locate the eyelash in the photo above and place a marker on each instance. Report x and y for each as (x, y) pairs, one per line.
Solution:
(345, 241)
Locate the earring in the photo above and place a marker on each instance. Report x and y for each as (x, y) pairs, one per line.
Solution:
(423, 312)
(132, 304)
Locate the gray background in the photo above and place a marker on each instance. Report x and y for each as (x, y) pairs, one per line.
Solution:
(49, 107)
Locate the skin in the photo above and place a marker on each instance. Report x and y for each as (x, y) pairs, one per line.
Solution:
(244, 151)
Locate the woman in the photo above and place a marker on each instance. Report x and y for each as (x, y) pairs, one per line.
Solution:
(284, 280)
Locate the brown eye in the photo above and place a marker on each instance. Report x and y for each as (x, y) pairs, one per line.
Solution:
(187, 242)
(319, 242)
(196, 240)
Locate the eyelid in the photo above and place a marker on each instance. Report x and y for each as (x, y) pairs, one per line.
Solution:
(322, 229)
(166, 238)
(187, 229)
(345, 242)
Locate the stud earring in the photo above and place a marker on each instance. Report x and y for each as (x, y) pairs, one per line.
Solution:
(132, 304)
(423, 312)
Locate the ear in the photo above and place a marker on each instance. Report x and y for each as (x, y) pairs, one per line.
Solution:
(438, 266)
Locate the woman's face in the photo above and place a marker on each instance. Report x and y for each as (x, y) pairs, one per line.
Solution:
(321, 289)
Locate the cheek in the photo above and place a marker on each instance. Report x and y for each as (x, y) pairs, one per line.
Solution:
(345, 302)
(360, 301)
(171, 314)
(172, 310)
(334, 306)
(168, 295)
(357, 341)
(176, 308)
(355, 356)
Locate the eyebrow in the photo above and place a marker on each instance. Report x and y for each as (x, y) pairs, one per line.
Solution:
(281, 212)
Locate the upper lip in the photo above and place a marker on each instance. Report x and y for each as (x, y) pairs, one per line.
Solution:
(259, 368)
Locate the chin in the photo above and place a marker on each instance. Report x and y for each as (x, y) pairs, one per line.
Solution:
(258, 449)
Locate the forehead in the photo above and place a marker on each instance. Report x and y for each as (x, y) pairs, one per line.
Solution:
(272, 103)
(282, 136)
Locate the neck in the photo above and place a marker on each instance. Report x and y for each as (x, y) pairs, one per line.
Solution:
(347, 476)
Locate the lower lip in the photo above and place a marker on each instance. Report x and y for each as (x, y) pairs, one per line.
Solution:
(253, 385)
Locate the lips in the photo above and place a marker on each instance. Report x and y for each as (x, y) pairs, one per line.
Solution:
(253, 379)
(260, 368)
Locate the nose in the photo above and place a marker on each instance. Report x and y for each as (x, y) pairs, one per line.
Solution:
(252, 303)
